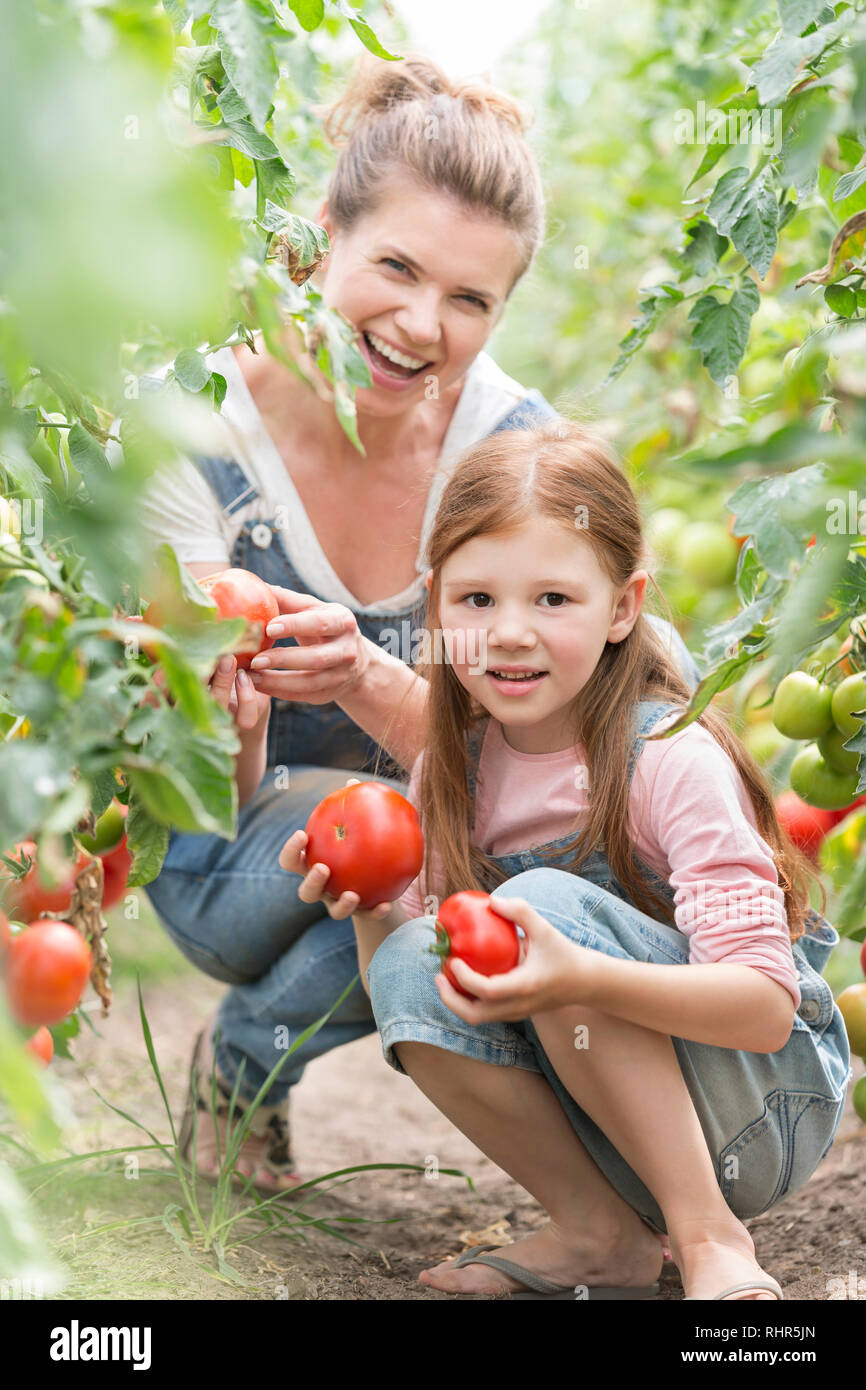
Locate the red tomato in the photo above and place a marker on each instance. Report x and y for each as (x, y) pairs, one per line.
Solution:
(41, 1045)
(46, 969)
(806, 825)
(370, 838)
(846, 811)
(28, 897)
(239, 594)
(469, 928)
(116, 864)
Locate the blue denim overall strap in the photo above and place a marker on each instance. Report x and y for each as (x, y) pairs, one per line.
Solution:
(596, 867)
(323, 735)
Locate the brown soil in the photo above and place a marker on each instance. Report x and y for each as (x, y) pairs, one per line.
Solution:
(351, 1108)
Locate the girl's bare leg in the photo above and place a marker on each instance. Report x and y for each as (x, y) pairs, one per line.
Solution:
(512, 1115)
(648, 1115)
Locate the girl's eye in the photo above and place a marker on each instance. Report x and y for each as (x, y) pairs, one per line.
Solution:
(550, 594)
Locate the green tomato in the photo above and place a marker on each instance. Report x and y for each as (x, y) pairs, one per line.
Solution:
(109, 831)
(835, 754)
(849, 695)
(801, 706)
(707, 554)
(764, 741)
(663, 530)
(818, 784)
(858, 1098)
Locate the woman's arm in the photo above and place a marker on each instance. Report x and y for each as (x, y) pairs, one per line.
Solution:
(386, 685)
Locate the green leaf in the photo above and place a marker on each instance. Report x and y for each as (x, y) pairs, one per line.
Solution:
(176, 11)
(705, 247)
(746, 210)
(275, 183)
(220, 386)
(721, 331)
(147, 841)
(656, 301)
(243, 136)
(192, 789)
(797, 15)
(777, 513)
(364, 32)
(86, 455)
(841, 299)
(850, 182)
(782, 62)
(309, 13)
(62, 1033)
(191, 370)
(244, 33)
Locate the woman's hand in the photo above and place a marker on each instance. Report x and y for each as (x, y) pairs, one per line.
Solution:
(232, 688)
(331, 657)
(293, 858)
(551, 973)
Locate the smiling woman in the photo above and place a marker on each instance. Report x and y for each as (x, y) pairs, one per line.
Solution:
(434, 212)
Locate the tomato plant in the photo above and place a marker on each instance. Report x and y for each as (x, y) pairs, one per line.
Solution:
(469, 928)
(370, 838)
(46, 969)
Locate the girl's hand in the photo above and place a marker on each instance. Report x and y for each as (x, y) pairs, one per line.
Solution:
(293, 858)
(551, 973)
(331, 656)
(232, 688)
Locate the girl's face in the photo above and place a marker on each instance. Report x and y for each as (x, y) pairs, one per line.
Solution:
(534, 598)
(422, 277)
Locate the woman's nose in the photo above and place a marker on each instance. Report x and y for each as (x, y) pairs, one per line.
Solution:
(418, 319)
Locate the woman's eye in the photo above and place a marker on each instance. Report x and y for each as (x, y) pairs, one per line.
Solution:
(473, 299)
(389, 260)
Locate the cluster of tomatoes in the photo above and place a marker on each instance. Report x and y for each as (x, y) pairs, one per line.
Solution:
(46, 964)
(823, 774)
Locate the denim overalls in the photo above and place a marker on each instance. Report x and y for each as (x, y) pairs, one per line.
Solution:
(768, 1118)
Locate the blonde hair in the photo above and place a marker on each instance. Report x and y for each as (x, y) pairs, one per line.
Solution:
(557, 470)
(464, 138)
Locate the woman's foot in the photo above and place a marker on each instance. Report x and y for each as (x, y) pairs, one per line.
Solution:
(626, 1256)
(264, 1154)
(713, 1255)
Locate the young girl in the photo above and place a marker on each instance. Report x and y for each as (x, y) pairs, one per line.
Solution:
(630, 1096)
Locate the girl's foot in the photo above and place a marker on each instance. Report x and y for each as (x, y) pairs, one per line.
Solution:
(626, 1256)
(264, 1154)
(713, 1255)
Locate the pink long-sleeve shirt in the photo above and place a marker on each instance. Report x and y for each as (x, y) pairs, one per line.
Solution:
(690, 818)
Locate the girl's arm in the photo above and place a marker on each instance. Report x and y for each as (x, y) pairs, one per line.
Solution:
(734, 1006)
(370, 932)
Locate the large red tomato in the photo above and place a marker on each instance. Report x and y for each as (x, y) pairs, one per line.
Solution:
(370, 838)
(806, 825)
(27, 897)
(239, 594)
(45, 971)
(469, 928)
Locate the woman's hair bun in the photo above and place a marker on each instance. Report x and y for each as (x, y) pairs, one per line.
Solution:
(377, 84)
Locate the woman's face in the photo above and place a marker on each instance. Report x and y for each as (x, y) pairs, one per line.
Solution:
(534, 597)
(421, 276)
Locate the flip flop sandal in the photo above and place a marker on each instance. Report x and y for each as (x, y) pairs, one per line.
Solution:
(270, 1122)
(536, 1286)
(751, 1286)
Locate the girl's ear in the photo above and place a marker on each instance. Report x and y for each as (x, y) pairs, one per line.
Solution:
(428, 579)
(628, 607)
